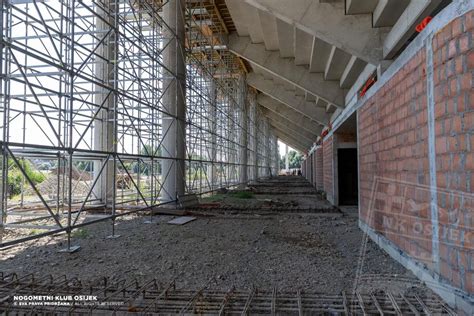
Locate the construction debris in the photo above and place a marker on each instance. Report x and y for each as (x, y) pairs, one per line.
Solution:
(182, 220)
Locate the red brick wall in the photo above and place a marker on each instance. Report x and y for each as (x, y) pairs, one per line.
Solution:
(328, 155)
(393, 136)
(394, 164)
(313, 159)
(453, 61)
(318, 154)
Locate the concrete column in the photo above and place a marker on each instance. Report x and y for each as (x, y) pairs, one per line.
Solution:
(104, 131)
(267, 147)
(276, 155)
(174, 127)
(253, 105)
(3, 188)
(262, 144)
(232, 139)
(243, 139)
(287, 158)
(212, 168)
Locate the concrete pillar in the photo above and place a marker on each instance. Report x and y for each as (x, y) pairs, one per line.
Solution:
(212, 167)
(276, 155)
(253, 106)
(231, 134)
(287, 158)
(267, 145)
(174, 127)
(262, 144)
(243, 131)
(3, 188)
(104, 127)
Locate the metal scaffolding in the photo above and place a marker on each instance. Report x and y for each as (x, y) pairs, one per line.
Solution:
(117, 106)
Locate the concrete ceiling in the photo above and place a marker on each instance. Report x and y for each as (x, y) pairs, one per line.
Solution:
(307, 54)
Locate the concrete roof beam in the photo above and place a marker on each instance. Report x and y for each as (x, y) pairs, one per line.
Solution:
(269, 29)
(300, 92)
(327, 21)
(387, 12)
(320, 52)
(354, 68)
(303, 45)
(285, 69)
(290, 114)
(290, 127)
(309, 97)
(404, 28)
(360, 6)
(238, 16)
(336, 64)
(297, 103)
(291, 140)
(321, 103)
(252, 20)
(285, 34)
(330, 108)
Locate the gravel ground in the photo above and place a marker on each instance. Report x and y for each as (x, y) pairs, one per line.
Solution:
(317, 252)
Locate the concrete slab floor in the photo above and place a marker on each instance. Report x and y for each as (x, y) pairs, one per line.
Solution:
(309, 251)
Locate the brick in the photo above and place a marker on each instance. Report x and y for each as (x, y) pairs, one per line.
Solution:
(441, 146)
(456, 124)
(469, 161)
(456, 278)
(453, 87)
(470, 60)
(459, 64)
(465, 82)
(469, 22)
(458, 27)
(445, 270)
(452, 50)
(450, 68)
(464, 44)
(468, 121)
(470, 101)
(447, 32)
(469, 282)
(462, 102)
(450, 106)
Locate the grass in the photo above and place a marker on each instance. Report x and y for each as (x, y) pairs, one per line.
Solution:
(80, 233)
(214, 198)
(36, 231)
(243, 195)
(219, 197)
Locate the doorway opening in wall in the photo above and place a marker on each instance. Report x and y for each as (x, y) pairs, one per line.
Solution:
(347, 176)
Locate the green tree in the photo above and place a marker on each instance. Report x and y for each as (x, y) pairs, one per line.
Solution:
(84, 165)
(147, 150)
(282, 162)
(294, 158)
(15, 176)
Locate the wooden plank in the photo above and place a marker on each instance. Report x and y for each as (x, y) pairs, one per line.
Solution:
(182, 220)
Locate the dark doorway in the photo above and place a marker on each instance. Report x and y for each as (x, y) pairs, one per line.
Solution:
(347, 176)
